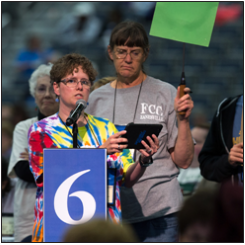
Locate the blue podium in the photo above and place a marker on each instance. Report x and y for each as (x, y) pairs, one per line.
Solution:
(74, 189)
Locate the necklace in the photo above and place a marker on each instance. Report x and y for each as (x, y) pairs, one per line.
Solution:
(91, 129)
(114, 105)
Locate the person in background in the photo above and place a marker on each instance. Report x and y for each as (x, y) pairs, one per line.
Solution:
(143, 11)
(71, 77)
(190, 178)
(7, 138)
(228, 218)
(113, 18)
(8, 186)
(221, 157)
(7, 111)
(101, 82)
(7, 203)
(195, 217)
(19, 113)
(28, 59)
(14, 113)
(199, 116)
(80, 27)
(150, 206)
(25, 190)
(100, 231)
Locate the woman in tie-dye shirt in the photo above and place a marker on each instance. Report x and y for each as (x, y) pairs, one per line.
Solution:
(71, 77)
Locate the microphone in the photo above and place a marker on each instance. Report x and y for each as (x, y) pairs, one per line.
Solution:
(74, 115)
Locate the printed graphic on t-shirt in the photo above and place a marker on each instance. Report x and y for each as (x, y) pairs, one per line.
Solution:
(151, 112)
(237, 140)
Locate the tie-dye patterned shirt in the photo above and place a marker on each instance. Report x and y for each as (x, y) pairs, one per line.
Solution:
(52, 133)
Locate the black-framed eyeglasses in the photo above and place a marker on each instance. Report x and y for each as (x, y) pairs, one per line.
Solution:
(73, 82)
(134, 54)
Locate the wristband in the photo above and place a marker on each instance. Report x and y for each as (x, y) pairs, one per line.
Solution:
(145, 164)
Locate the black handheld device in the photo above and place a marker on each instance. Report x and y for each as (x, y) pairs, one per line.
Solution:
(137, 132)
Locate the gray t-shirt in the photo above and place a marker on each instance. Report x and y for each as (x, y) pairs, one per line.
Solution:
(157, 193)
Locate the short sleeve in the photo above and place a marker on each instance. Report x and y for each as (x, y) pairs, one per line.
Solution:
(172, 123)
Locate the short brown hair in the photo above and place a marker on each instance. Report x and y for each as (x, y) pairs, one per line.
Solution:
(66, 65)
(131, 32)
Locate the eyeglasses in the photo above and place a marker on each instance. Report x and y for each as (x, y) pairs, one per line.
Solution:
(135, 54)
(42, 90)
(73, 82)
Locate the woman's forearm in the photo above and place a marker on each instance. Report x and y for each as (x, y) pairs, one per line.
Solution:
(184, 147)
(133, 174)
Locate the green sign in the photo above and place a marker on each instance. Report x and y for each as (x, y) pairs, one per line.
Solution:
(188, 22)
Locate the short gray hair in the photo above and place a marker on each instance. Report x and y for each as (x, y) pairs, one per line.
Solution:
(41, 71)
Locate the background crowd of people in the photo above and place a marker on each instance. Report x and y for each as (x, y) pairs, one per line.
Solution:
(213, 74)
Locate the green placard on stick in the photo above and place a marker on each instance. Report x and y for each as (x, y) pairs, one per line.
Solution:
(188, 22)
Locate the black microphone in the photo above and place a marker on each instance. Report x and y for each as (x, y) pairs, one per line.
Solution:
(74, 115)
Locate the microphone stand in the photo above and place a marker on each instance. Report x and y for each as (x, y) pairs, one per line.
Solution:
(74, 134)
(70, 121)
(74, 131)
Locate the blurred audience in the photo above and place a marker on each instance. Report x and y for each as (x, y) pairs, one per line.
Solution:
(100, 231)
(14, 113)
(195, 217)
(115, 16)
(142, 10)
(7, 111)
(199, 115)
(25, 191)
(10, 14)
(8, 186)
(7, 137)
(79, 27)
(101, 82)
(190, 179)
(228, 13)
(19, 113)
(213, 216)
(228, 220)
(29, 58)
